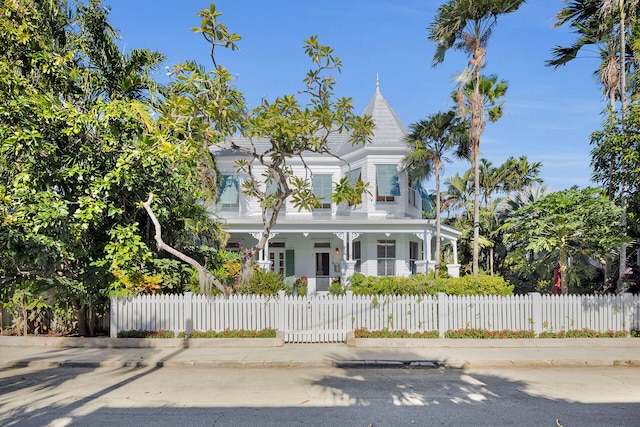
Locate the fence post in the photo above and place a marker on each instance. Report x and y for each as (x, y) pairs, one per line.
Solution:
(348, 312)
(536, 313)
(113, 318)
(188, 313)
(282, 312)
(443, 314)
(626, 300)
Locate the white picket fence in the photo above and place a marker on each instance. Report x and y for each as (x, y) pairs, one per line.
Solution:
(327, 318)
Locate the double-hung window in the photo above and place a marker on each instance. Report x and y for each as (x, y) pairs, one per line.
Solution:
(230, 194)
(355, 176)
(386, 257)
(322, 190)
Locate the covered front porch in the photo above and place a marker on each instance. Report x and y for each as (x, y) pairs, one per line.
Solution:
(334, 249)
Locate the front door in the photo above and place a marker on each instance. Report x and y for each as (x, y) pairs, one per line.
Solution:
(322, 271)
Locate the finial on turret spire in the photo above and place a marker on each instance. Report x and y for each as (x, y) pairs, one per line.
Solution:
(377, 81)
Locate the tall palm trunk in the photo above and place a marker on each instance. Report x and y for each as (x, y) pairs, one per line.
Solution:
(623, 116)
(438, 167)
(476, 128)
(612, 169)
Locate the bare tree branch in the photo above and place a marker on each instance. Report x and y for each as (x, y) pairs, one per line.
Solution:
(205, 277)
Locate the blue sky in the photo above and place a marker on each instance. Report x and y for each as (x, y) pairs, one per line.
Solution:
(549, 114)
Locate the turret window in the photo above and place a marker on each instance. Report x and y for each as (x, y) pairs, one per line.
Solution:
(387, 183)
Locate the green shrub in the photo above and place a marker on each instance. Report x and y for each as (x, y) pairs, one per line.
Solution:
(583, 333)
(240, 333)
(336, 287)
(146, 334)
(420, 284)
(264, 283)
(386, 333)
(486, 334)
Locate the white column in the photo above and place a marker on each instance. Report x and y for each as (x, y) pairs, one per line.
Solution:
(427, 245)
(431, 264)
(455, 251)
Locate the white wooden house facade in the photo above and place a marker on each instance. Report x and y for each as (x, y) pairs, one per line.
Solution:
(385, 235)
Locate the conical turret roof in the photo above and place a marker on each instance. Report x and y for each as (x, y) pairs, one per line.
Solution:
(389, 130)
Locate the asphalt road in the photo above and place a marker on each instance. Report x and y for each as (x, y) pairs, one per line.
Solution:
(170, 396)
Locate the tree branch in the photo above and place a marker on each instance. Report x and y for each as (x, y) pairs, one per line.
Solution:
(205, 277)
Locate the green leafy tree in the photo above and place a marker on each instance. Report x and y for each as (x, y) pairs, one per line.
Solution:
(563, 225)
(294, 130)
(466, 25)
(607, 23)
(79, 151)
(206, 108)
(519, 174)
(430, 142)
(457, 194)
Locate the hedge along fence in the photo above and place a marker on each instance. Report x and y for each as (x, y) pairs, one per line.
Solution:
(327, 318)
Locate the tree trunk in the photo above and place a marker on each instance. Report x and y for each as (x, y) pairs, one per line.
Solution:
(564, 282)
(25, 314)
(438, 219)
(91, 324)
(246, 269)
(623, 166)
(81, 316)
(491, 260)
(476, 129)
(476, 207)
(204, 276)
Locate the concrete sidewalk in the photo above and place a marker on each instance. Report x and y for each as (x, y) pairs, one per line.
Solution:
(448, 353)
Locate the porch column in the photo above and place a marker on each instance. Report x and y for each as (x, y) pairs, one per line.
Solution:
(350, 263)
(421, 264)
(263, 256)
(340, 260)
(454, 269)
(431, 264)
(455, 251)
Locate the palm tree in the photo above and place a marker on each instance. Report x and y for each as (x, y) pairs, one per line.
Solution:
(522, 197)
(583, 16)
(619, 8)
(430, 141)
(458, 192)
(466, 25)
(484, 94)
(518, 173)
(490, 181)
(598, 21)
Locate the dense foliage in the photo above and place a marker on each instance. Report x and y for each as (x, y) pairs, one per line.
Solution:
(80, 151)
(429, 285)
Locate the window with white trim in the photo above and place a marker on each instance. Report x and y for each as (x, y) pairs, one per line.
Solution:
(355, 176)
(322, 190)
(387, 183)
(230, 192)
(386, 257)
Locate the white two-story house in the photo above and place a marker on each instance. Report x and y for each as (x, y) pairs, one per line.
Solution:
(385, 235)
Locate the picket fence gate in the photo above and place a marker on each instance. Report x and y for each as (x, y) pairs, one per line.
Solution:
(328, 318)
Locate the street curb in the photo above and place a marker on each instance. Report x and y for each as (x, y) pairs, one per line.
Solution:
(105, 342)
(352, 341)
(342, 364)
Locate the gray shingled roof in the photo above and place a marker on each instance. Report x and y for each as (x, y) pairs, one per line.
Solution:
(389, 131)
